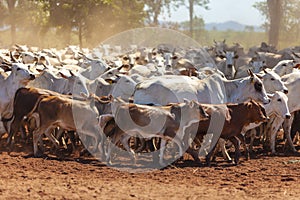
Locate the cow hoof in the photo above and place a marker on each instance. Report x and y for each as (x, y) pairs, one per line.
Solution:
(39, 155)
(109, 163)
(162, 164)
(274, 154)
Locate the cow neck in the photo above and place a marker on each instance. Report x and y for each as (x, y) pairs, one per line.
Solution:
(232, 87)
(14, 86)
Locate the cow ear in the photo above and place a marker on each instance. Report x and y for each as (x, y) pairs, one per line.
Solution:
(250, 72)
(72, 74)
(62, 75)
(297, 66)
(259, 76)
(110, 97)
(84, 95)
(6, 67)
(265, 70)
(249, 104)
(110, 81)
(270, 95)
(192, 104)
(186, 101)
(221, 56)
(236, 56)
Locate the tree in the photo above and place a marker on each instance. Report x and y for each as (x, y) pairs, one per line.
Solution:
(10, 15)
(191, 4)
(286, 24)
(154, 8)
(275, 13)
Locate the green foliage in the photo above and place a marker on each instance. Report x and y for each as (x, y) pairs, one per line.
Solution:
(290, 24)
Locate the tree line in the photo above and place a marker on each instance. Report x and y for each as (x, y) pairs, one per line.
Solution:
(94, 20)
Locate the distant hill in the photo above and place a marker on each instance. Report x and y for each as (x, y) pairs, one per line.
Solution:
(230, 25)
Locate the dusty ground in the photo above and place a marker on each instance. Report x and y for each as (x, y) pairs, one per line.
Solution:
(263, 177)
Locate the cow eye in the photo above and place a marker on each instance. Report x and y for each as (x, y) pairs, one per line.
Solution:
(18, 69)
(279, 100)
(284, 65)
(258, 86)
(272, 79)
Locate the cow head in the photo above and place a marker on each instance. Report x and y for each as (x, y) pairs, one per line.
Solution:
(284, 67)
(21, 74)
(194, 110)
(256, 112)
(278, 105)
(272, 81)
(255, 89)
(77, 85)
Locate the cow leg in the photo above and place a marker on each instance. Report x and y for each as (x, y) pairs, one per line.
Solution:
(109, 150)
(225, 154)
(287, 132)
(124, 141)
(252, 138)
(161, 152)
(242, 139)
(236, 144)
(14, 128)
(221, 146)
(50, 136)
(209, 155)
(36, 138)
(59, 136)
(273, 129)
(194, 154)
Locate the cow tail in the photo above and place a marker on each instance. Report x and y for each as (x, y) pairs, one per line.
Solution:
(35, 107)
(4, 119)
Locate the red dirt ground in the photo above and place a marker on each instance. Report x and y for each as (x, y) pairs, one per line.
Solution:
(264, 177)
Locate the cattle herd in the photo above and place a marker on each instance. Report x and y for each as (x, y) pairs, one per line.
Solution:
(142, 99)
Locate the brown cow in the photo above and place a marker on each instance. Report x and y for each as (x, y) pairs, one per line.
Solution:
(235, 117)
(166, 122)
(68, 114)
(24, 101)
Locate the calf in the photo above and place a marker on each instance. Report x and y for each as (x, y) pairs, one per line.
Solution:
(69, 114)
(237, 116)
(24, 101)
(166, 122)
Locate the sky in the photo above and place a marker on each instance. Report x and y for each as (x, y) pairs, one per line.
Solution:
(241, 11)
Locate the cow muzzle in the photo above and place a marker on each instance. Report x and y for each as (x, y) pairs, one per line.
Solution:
(32, 77)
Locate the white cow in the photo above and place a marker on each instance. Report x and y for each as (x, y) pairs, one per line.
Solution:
(278, 111)
(272, 81)
(227, 65)
(285, 67)
(255, 65)
(292, 82)
(122, 87)
(214, 89)
(93, 68)
(74, 84)
(19, 77)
